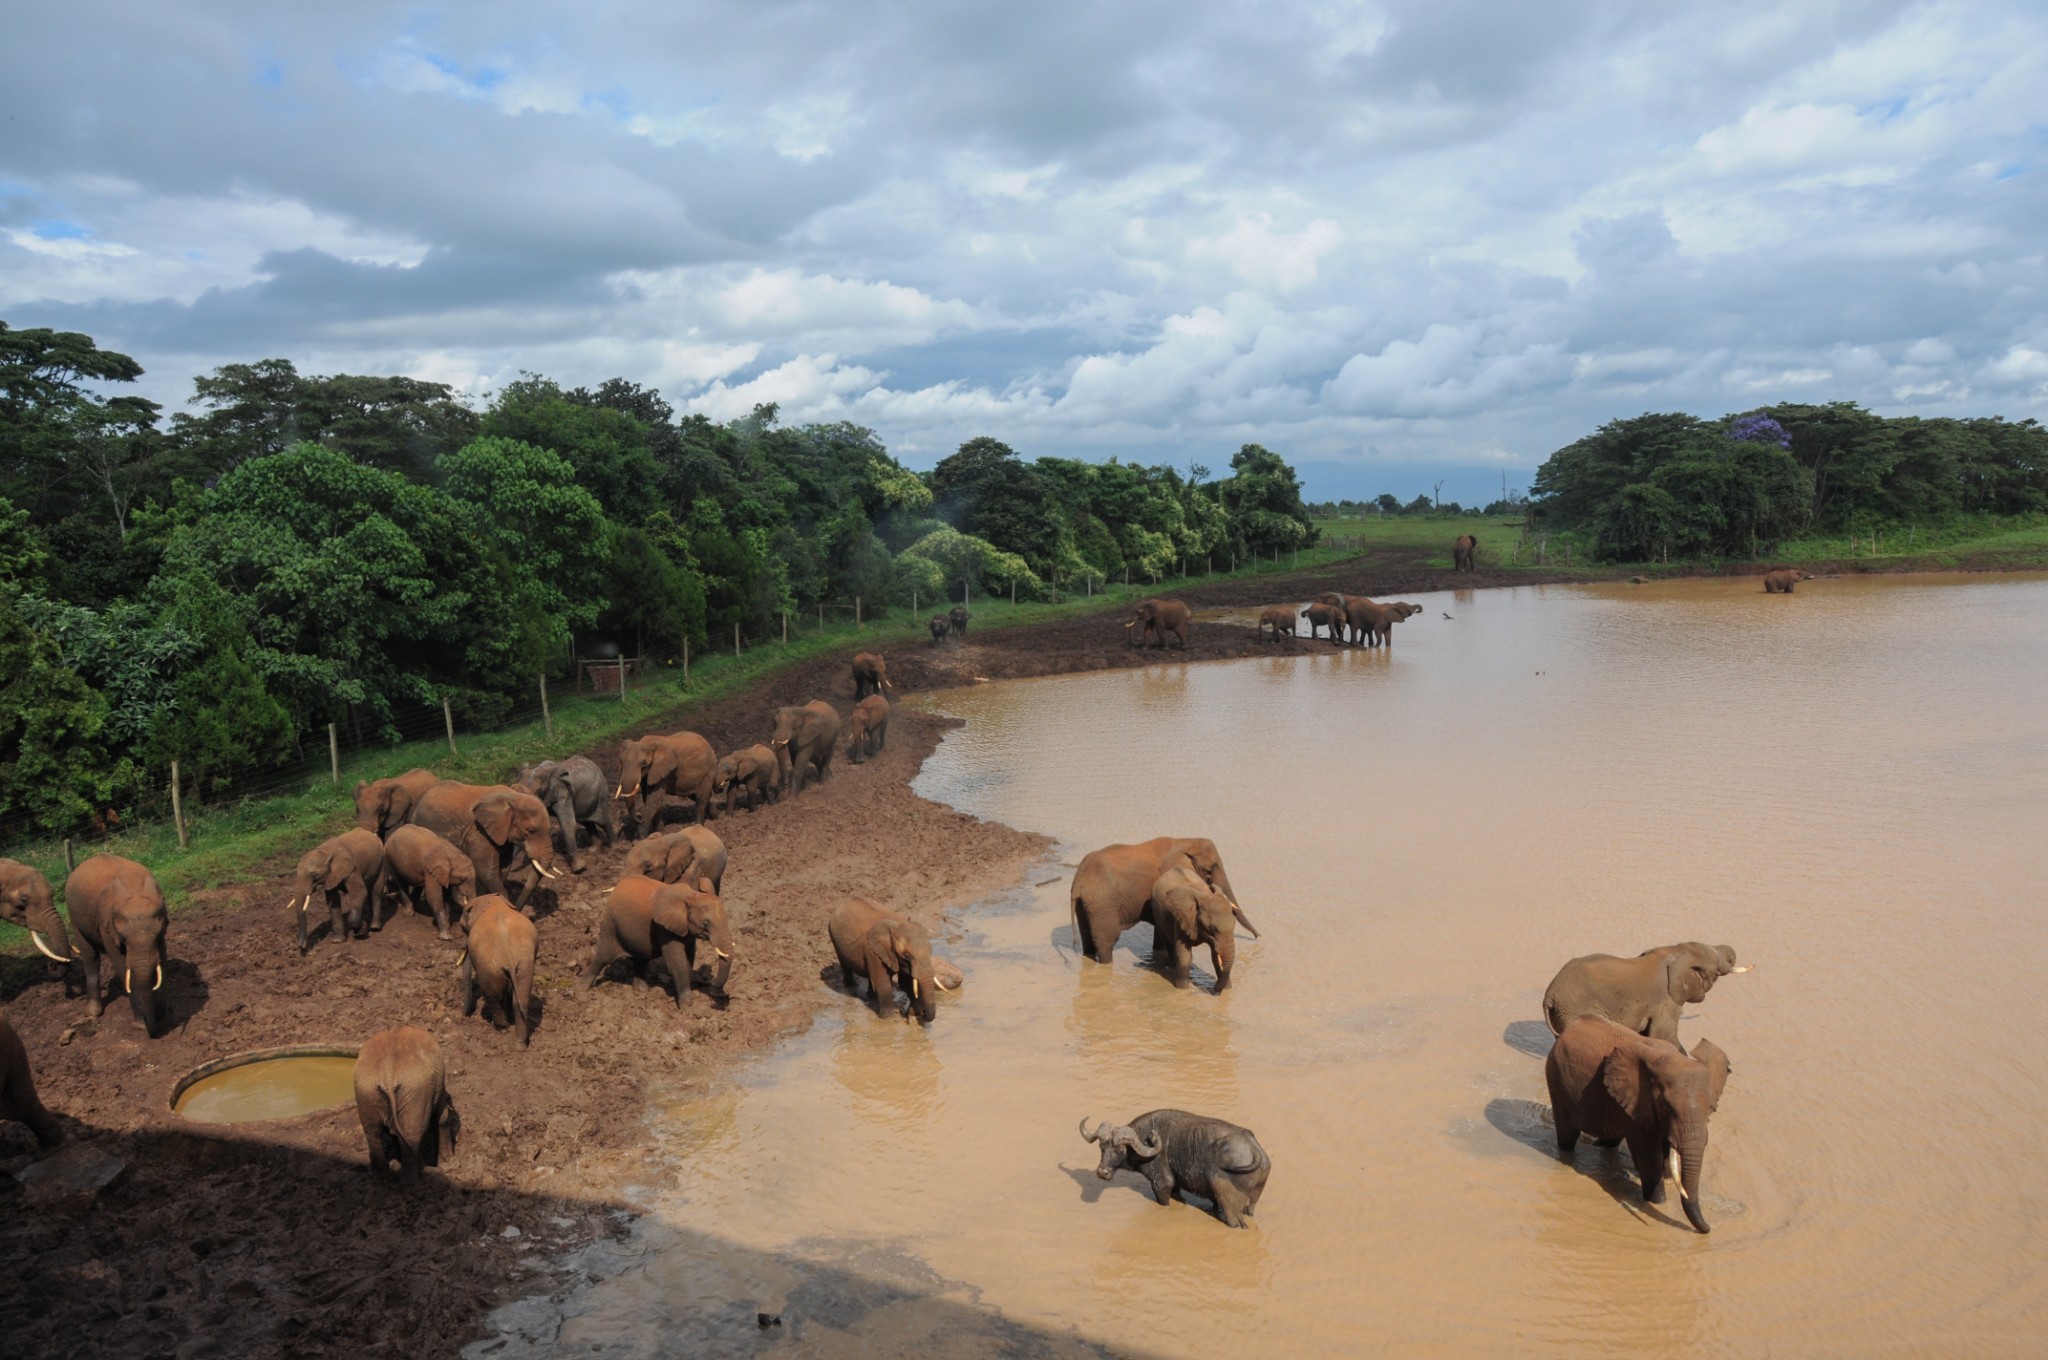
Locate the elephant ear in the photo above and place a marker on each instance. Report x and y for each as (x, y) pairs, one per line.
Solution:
(662, 766)
(1683, 980)
(886, 943)
(1708, 1052)
(1622, 1074)
(671, 911)
(1173, 899)
(494, 817)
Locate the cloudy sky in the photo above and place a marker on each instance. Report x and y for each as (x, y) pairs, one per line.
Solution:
(1381, 238)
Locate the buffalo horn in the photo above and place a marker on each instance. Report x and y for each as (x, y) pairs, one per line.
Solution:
(1096, 1136)
(1144, 1151)
(47, 951)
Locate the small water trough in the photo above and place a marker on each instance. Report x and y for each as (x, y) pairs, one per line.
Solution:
(267, 1083)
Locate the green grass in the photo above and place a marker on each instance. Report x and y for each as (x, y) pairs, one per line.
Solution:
(232, 842)
(2014, 543)
(1500, 539)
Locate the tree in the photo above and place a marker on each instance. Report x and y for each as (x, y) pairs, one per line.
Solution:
(606, 447)
(1263, 497)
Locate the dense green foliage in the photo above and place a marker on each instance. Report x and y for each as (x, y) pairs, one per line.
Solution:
(1673, 485)
(219, 586)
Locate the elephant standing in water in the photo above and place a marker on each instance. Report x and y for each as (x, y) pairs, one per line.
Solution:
(347, 871)
(1112, 889)
(1322, 614)
(888, 949)
(1614, 1085)
(803, 742)
(384, 803)
(573, 792)
(1643, 994)
(1781, 582)
(1375, 622)
(500, 829)
(1187, 913)
(1465, 553)
(26, 901)
(1182, 1153)
(645, 919)
(402, 1101)
(117, 910)
(678, 765)
(1160, 617)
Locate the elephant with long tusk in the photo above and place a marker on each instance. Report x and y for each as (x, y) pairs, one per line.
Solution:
(26, 901)
(117, 910)
(500, 829)
(1187, 1154)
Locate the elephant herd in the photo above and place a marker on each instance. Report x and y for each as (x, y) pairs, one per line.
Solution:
(471, 856)
(1352, 619)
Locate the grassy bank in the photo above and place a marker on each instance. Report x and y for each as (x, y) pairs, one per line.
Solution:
(253, 837)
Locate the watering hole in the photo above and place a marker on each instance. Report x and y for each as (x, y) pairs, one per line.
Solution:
(1846, 784)
(267, 1086)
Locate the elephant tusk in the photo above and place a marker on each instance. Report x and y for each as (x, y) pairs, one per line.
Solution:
(913, 989)
(47, 951)
(1133, 621)
(1743, 968)
(158, 985)
(609, 891)
(619, 791)
(720, 952)
(127, 979)
(1677, 1176)
(463, 959)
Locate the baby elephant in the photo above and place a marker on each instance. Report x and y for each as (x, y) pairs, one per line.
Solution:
(1276, 617)
(1781, 582)
(645, 919)
(402, 1099)
(1187, 1154)
(752, 770)
(684, 856)
(868, 729)
(1186, 912)
(498, 965)
(1613, 1084)
(347, 871)
(889, 950)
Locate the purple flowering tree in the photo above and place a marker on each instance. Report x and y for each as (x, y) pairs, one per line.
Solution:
(1760, 429)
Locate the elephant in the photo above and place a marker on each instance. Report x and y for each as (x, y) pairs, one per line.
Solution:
(1160, 617)
(1277, 617)
(645, 919)
(18, 1099)
(684, 856)
(803, 741)
(493, 825)
(1614, 1085)
(1187, 912)
(1112, 889)
(384, 803)
(1348, 623)
(344, 868)
(1324, 615)
(498, 964)
(870, 675)
(753, 769)
(890, 950)
(1374, 623)
(1182, 1153)
(679, 765)
(1642, 994)
(117, 909)
(1465, 553)
(957, 618)
(402, 1099)
(26, 901)
(1781, 582)
(938, 627)
(868, 729)
(572, 790)
(430, 872)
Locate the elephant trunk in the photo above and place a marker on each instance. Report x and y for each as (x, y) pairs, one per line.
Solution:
(145, 986)
(1689, 1156)
(1222, 954)
(45, 929)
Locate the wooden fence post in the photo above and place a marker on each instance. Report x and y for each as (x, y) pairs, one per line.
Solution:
(547, 719)
(333, 756)
(1013, 590)
(177, 807)
(686, 662)
(821, 616)
(68, 864)
(736, 639)
(622, 675)
(913, 604)
(856, 612)
(448, 719)
(785, 627)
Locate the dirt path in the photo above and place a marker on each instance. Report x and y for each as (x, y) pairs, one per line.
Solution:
(272, 1238)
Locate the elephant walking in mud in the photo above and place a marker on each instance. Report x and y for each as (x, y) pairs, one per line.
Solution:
(497, 967)
(574, 794)
(656, 768)
(803, 742)
(117, 910)
(1465, 553)
(751, 770)
(695, 852)
(1615, 1085)
(428, 872)
(384, 803)
(1158, 618)
(868, 729)
(645, 919)
(870, 675)
(1277, 617)
(347, 871)
(1182, 1154)
(500, 829)
(1112, 890)
(402, 1101)
(1325, 615)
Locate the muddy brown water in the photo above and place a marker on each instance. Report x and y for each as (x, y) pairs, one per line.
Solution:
(272, 1088)
(1849, 785)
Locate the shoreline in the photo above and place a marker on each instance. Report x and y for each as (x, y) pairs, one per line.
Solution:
(274, 1237)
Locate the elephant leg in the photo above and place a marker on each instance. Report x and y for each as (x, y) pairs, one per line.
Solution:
(608, 952)
(467, 985)
(89, 969)
(337, 915)
(1567, 1133)
(849, 975)
(437, 901)
(704, 801)
(380, 1166)
(1174, 955)
(430, 1141)
(1606, 1142)
(1232, 1204)
(522, 1002)
(1647, 1150)
(677, 955)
